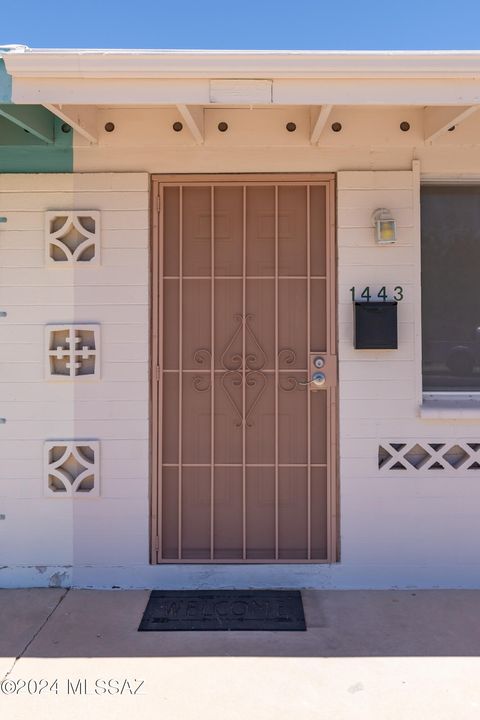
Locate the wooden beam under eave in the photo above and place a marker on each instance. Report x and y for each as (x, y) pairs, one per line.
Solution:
(35, 119)
(438, 120)
(84, 120)
(193, 118)
(319, 118)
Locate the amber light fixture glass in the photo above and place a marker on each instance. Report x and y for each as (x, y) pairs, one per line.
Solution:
(385, 227)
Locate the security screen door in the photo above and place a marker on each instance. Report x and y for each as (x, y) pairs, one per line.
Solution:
(243, 442)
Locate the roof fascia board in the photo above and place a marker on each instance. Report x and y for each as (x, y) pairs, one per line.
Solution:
(226, 64)
(157, 92)
(380, 91)
(111, 92)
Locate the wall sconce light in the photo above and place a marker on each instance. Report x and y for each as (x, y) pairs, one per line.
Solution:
(385, 227)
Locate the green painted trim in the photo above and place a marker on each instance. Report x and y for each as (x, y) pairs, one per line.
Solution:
(31, 137)
(5, 84)
(11, 134)
(39, 157)
(35, 119)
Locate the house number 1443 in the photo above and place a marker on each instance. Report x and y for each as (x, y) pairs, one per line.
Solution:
(382, 294)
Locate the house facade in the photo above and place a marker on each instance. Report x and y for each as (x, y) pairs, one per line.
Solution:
(239, 319)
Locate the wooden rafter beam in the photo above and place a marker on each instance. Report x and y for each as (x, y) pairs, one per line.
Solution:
(35, 119)
(319, 118)
(193, 118)
(81, 118)
(437, 120)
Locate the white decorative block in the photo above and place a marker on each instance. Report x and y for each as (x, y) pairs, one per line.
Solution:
(72, 468)
(72, 352)
(72, 237)
(422, 455)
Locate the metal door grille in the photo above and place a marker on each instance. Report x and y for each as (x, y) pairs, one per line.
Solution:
(243, 451)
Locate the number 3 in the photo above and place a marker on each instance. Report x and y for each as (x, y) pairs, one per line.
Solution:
(398, 293)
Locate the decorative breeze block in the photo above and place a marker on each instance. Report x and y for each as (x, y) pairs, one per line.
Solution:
(429, 456)
(72, 236)
(72, 468)
(73, 351)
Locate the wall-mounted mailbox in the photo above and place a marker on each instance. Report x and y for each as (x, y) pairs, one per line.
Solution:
(375, 326)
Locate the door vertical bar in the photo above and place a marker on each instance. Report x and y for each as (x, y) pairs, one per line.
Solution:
(160, 372)
(244, 352)
(212, 372)
(329, 349)
(330, 232)
(156, 400)
(276, 373)
(180, 368)
(309, 392)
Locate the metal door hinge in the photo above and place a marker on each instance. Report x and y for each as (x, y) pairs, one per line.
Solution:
(158, 203)
(157, 373)
(157, 543)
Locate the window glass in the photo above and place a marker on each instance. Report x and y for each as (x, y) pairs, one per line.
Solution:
(451, 288)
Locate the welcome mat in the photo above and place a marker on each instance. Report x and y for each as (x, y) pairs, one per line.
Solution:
(224, 610)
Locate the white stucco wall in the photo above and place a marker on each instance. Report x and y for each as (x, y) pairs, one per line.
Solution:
(405, 529)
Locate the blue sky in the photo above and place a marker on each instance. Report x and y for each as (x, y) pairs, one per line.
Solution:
(244, 24)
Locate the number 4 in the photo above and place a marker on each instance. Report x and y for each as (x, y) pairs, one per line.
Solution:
(382, 293)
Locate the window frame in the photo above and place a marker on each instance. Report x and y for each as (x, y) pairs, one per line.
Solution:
(443, 404)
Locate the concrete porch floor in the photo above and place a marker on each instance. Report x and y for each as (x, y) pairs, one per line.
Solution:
(366, 654)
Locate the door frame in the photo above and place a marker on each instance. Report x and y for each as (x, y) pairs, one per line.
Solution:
(155, 400)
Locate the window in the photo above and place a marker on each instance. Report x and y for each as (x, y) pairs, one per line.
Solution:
(451, 288)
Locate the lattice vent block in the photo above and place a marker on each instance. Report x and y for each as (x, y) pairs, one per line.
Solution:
(73, 352)
(453, 455)
(72, 237)
(72, 468)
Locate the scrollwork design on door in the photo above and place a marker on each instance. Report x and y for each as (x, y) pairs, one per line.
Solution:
(252, 379)
(201, 383)
(237, 367)
(254, 361)
(288, 383)
(236, 379)
(202, 356)
(287, 357)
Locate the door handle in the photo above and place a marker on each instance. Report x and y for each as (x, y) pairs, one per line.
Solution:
(318, 379)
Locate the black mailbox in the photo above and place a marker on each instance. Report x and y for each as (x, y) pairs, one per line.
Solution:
(375, 326)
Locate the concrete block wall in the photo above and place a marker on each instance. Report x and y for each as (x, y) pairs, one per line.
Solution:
(42, 538)
(410, 527)
(398, 528)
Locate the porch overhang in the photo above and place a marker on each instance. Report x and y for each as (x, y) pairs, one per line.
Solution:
(74, 84)
(158, 77)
